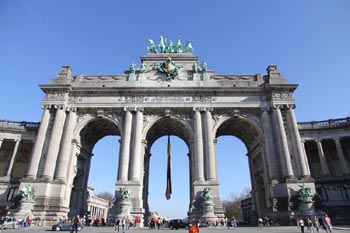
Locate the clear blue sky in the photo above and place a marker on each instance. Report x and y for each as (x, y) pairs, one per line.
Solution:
(309, 41)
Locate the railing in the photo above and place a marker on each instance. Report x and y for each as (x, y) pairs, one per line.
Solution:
(328, 124)
(25, 124)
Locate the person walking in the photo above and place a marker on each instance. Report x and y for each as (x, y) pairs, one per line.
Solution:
(316, 224)
(301, 225)
(310, 225)
(327, 223)
(116, 225)
(125, 222)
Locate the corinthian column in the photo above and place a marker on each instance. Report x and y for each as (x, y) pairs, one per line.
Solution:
(340, 153)
(209, 144)
(39, 143)
(63, 166)
(198, 137)
(54, 145)
(300, 155)
(125, 148)
(282, 143)
(270, 151)
(136, 158)
(324, 165)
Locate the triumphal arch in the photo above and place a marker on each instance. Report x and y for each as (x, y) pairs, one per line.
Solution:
(171, 92)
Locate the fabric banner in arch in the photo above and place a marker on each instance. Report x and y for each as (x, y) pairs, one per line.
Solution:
(168, 173)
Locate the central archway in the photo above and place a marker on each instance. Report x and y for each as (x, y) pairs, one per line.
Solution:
(164, 126)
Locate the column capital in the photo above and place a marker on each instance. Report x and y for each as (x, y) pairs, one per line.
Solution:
(203, 109)
(265, 108)
(318, 140)
(291, 106)
(59, 106)
(46, 106)
(71, 109)
(278, 106)
(337, 138)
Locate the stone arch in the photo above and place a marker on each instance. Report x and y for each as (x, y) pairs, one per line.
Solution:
(87, 134)
(229, 125)
(251, 135)
(161, 126)
(104, 125)
(155, 129)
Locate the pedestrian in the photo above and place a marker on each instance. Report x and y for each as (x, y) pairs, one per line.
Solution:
(125, 222)
(116, 225)
(327, 223)
(301, 225)
(260, 222)
(310, 225)
(316, 224)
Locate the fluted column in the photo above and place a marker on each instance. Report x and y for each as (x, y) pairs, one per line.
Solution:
(299, 153)
(63, 159)
(125, 148)
(270, 151)
(52, 152)
(1, 140)
(198, 146)
(39, 143)
(209, 144)
(13, 158)
(282, 143)
(324, 165)
(136, 158)
(340, 153)
(306, 159)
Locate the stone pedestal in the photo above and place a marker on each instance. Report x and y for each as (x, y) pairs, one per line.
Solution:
(307, 209)
(208, 211)
(24, 208)
(124, 209)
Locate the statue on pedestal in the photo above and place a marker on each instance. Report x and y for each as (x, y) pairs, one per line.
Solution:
(27, 193)
(206, 194)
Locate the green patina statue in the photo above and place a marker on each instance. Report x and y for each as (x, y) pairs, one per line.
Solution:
(188, 48)
(151, 47)
(143, 67)
(126, 194)
(304, 194)
(195, 67)
(178, 46)
(206, 194)
(132, 68)
(169, 68)
(170, 47)
(27, 193)
(204, 67)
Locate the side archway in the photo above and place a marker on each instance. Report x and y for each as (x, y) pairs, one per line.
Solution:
(87, 134)
(252, 137)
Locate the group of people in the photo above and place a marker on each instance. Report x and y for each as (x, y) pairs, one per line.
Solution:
(312, 224)
(27, 221)
(124, 223)
(264, 222)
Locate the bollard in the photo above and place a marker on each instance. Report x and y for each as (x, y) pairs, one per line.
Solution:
(193, 229)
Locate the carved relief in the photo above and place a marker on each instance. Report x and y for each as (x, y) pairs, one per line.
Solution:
(282, 95)
(56, 96)
(203, 98)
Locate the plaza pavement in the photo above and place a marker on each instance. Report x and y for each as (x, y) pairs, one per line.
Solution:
(289, 229)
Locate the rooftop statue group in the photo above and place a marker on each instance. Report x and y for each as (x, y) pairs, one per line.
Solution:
(169, 47)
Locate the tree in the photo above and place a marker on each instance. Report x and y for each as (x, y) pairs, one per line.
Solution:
(105, 195)
(233, 205)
